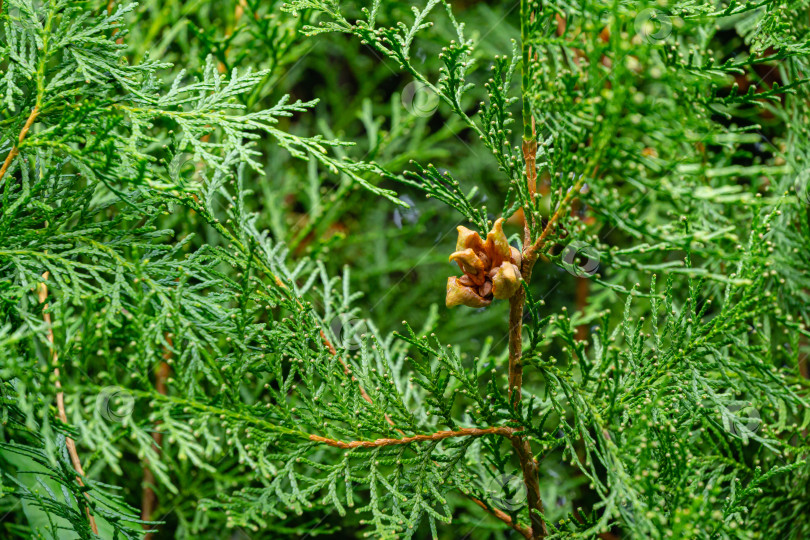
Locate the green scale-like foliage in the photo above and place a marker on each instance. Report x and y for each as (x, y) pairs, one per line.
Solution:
(206, 189)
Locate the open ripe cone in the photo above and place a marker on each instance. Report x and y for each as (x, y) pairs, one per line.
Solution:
(471, 264)
(497, 246)
(491, 269)
(462, 295)
(468, 239)
(506, 281)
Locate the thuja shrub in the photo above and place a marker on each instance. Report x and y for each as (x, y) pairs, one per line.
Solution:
(395, 270)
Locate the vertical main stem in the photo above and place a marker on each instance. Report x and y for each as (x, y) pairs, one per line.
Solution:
(516, 346)
(528, 135)
(148, 496)
(521, 446)
(532, 482)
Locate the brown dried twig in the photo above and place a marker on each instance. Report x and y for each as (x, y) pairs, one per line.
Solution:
(60, 397)
(16, 148)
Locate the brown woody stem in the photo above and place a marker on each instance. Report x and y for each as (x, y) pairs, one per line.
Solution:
(532, 482)
(530, 254)
(60, 396)
(521, 446)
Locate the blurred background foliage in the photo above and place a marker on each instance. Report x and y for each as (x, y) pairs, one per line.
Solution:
(398, 256)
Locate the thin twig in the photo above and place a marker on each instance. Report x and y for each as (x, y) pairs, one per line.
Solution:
(16, 148)
(148, 496)
(533, 251)
(524, 531)
(60, 396)
(438, 436)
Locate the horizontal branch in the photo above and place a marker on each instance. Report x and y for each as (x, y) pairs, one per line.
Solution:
(438, 436)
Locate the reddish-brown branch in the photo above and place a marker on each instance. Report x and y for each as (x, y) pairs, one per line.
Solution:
(532, 482)
(16, 148)
(516, 302)
(583, 288)
(60, 396)
(438, 436)
(533, 251)
(148, 496)
(516, 341)
(521, 446)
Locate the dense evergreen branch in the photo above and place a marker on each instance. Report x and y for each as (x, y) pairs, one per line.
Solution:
(223, 285)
